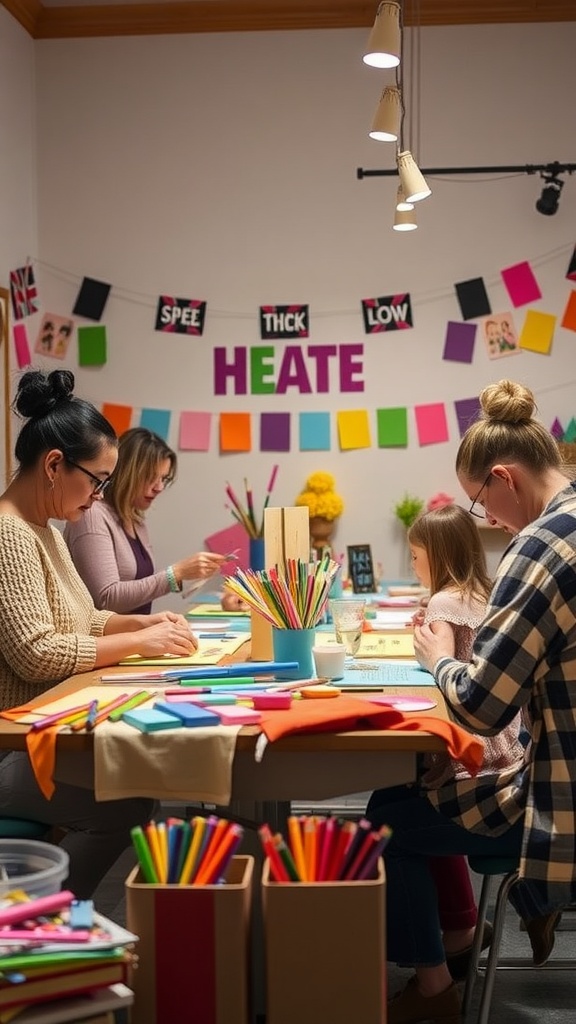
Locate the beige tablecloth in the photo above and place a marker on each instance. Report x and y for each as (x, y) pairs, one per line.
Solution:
(179, 764)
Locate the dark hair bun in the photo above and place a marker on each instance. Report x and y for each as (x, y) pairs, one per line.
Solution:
(39, 392)
(507, 402)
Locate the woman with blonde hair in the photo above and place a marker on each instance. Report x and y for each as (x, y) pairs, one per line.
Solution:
(523, 659)
(110, 544)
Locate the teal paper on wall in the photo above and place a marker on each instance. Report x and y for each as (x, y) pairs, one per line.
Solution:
(156, 420)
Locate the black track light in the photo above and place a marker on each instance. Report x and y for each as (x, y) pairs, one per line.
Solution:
(548, 202)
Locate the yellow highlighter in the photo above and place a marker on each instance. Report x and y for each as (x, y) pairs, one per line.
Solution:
(154, 844)
(198, 826)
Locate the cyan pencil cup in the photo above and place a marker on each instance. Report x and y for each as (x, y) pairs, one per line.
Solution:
(256, 553)
(294, 645)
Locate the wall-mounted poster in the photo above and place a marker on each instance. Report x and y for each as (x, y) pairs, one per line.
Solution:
(54, 336)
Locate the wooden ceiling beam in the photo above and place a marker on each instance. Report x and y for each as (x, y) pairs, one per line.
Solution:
(196, 16)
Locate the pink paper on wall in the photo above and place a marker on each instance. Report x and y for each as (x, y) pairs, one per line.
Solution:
(21, 346)
(232, 538)
(195, 431)
(521, 284)
(431, 423)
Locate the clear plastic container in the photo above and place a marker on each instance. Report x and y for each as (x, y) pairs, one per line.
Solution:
(38, 868)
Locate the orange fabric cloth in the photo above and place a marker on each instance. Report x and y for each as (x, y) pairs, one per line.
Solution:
(41, 748)
(349, 714)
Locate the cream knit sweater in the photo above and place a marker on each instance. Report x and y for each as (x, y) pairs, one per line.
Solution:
(48, 622)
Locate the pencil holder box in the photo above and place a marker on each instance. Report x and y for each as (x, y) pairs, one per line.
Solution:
(325, 956)
(193, 949)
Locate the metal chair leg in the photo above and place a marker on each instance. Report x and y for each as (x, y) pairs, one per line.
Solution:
(492, 961)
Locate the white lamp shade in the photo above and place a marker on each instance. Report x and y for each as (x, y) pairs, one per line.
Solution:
(401, 203)
(413, 182)
(384, 45)
(386, 123)
(405, 220)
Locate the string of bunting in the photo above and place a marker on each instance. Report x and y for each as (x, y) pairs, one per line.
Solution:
(292, 596)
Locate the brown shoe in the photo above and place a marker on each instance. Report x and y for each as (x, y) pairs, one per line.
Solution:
(458, 963)
(411, 1007)
(541, 934)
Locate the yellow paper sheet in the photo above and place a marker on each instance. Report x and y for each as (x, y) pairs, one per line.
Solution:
(214, 610)
(381, 645)
(103, 693)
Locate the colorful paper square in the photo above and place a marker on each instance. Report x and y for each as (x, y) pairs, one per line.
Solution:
(459, 342)
(23, 292)
(120, 416)
(231, 538)
(91, 299)
(473, 298)
(21, 346)
(156, 420)
(91, 346)
(467, 412)
(235, 432)
(431, 423)
(314, 431)
(195, 431)
(392, 427)
(275, 432)
(571, 272)
(538, 332)
(353, 429)
(521, 284)
(569, 318)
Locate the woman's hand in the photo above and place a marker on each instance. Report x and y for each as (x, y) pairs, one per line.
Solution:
(169, 634)
(198, 567)
(433, 641)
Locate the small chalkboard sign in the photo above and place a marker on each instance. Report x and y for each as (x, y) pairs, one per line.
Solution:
(360, 568)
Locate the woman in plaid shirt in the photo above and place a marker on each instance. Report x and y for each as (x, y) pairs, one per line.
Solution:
(524, 658)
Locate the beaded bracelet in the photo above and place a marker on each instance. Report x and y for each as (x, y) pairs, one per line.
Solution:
(175, 587)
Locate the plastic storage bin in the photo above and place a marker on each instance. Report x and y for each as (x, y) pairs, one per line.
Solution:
(38, 868)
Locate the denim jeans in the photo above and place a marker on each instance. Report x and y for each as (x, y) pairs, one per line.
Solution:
(414, 935)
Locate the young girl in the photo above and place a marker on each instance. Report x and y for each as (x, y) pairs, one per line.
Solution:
(448, 558)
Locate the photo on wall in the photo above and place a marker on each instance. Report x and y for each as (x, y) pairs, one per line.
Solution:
(500, 335)
(54, 336)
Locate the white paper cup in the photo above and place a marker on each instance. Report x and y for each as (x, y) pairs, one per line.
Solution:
(329, 660)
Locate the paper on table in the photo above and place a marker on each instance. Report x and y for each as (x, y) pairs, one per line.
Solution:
(103, 694)
(210, 652)
(382, 645)
(386, 673)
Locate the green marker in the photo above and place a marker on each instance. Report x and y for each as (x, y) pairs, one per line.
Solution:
(144, 855)
(132, 702)
(225, 681)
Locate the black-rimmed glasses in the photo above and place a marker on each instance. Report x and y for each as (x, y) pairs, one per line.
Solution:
(480, 513)
(99, 485)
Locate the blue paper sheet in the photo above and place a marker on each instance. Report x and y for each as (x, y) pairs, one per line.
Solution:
(379, 674)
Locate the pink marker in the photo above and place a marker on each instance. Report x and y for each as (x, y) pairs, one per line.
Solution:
(36, 908)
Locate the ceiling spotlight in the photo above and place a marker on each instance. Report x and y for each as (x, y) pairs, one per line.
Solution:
(548, 202)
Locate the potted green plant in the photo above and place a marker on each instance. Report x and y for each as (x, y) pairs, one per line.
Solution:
(407, 509)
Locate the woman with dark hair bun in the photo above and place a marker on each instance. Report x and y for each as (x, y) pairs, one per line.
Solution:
(49, 628)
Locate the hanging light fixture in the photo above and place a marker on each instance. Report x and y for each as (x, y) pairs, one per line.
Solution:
(405, 220)
(386, 123)
(383, 49)
(414, 185)
(401, 202)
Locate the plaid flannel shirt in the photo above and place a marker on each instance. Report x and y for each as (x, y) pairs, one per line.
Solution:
(524, 657)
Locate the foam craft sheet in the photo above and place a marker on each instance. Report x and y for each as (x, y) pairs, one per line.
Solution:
(210, 652)
(403, 703)
(381, 645)
(103, 694)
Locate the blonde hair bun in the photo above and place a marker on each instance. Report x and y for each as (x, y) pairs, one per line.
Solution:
(507, 402)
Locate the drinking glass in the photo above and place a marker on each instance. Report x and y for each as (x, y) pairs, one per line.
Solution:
(348, 618)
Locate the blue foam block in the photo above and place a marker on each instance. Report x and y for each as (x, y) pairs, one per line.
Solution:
(190, 715)
(150, 719)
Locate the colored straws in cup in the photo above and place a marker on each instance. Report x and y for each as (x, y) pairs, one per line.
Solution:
(290, 596)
